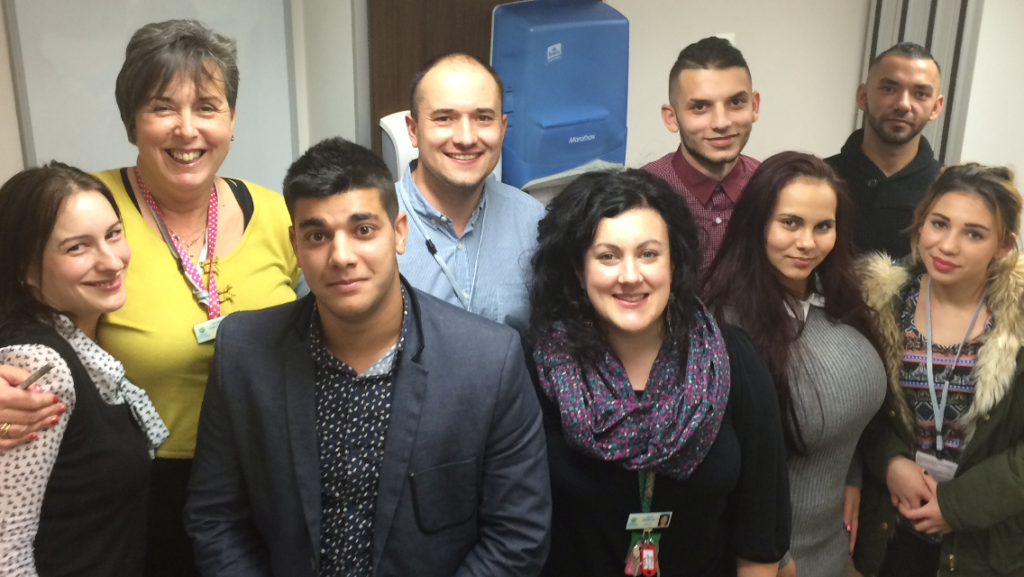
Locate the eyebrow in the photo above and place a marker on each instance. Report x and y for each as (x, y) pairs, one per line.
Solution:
(453, 111)
(80, 237)
(362, 217)
(74, 239)
(313, 222)
(968, 225)
(617, 247)
(704, 101)
(355, 218)
(893, 82)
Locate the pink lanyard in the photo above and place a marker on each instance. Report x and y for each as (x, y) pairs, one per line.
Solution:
(209, 298)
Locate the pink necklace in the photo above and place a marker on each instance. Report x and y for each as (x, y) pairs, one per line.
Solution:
(208, 296)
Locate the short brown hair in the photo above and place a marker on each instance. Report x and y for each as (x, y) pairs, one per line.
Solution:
(158, 52)
(994, 184)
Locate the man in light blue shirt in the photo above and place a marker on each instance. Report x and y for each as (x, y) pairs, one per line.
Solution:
(470, 237)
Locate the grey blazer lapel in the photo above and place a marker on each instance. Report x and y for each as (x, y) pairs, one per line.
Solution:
(406, 406)
(300, 383)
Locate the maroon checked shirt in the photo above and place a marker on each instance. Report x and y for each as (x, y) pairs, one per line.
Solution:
(710, 202)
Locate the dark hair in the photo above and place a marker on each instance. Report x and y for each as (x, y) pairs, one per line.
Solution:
(29, 204)
(994, 184)
(159, 52)
(336, 166)
(414, 102)
(711, 53)
(906, 50)
(742, 284)
(565, 235)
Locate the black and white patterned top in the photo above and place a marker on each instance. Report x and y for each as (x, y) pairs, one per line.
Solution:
(25, 469)
(351, 423)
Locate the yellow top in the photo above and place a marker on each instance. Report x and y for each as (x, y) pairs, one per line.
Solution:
(152, 334)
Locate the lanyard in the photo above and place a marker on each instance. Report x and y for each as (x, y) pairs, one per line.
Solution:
(646, 489)
(464, 297)
(939, 409)
(208, 297)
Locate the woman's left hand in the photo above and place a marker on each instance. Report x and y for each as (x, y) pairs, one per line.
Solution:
(928, 517)
(851, 512)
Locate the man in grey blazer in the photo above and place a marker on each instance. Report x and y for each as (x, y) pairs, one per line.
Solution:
(368, 428)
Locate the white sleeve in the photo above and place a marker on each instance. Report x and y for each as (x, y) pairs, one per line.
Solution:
(25, 469)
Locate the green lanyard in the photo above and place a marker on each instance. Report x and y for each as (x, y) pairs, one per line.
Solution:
(646, 490)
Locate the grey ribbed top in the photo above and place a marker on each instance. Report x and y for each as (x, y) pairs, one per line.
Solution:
(838, 383)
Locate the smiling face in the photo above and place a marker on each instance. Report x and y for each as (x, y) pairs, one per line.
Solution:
(802, 232)
(184, 135)
(713, 114)
(960, 238)
(459, 127)
(348, 251)
(627, 272)
(84, 260)
(900, 97)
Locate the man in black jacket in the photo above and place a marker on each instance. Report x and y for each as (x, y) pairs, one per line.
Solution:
(888, 164)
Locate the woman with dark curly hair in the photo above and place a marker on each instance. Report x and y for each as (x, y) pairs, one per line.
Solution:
(651, 408)
(785, 274)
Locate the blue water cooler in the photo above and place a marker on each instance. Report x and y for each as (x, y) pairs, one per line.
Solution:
(565, 66)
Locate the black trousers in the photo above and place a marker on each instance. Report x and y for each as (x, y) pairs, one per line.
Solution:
(168, 549)
(910, 556)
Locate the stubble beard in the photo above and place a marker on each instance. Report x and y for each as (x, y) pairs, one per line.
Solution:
(889, 137)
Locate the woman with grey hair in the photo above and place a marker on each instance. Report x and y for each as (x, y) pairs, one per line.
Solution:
(205, 246)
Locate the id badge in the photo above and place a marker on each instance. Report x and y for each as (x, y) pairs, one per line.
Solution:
(648, 521)
(940, 469)
(206, 331)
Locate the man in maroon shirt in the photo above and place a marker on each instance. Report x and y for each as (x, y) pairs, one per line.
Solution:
(713, 107)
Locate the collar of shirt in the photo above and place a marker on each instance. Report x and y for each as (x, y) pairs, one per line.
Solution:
(702, 187)
(382, 366)
(813, 299)
(429, 215)
(925, 157)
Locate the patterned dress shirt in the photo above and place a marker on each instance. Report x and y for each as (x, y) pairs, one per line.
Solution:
(351, 423)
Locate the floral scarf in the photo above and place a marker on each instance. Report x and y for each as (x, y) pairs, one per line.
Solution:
(668, 429)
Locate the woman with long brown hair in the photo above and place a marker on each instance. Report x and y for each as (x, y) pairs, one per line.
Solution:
(785, 273)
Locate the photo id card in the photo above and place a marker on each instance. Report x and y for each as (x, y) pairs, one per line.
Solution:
(940, 469)
(648, 521)
(206, 331)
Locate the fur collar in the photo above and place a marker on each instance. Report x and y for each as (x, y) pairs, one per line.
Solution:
(883, 283)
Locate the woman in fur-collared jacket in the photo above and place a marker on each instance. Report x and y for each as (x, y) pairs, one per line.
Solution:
(947, 495)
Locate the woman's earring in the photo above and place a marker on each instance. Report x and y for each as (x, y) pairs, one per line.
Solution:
(232, 138)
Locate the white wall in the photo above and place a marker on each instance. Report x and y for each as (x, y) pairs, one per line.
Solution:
(11, 160)
(994, 123)
(332, 68)
(804, 56)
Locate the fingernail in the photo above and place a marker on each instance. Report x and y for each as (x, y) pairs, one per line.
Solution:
(36, 389)
(63, 408)
(33, 437)
(849, 527)
(55, 399)
(54, 419)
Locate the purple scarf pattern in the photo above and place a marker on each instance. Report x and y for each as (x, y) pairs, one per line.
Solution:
(669, 429)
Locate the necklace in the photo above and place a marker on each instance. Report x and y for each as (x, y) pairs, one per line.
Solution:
(208, 296)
